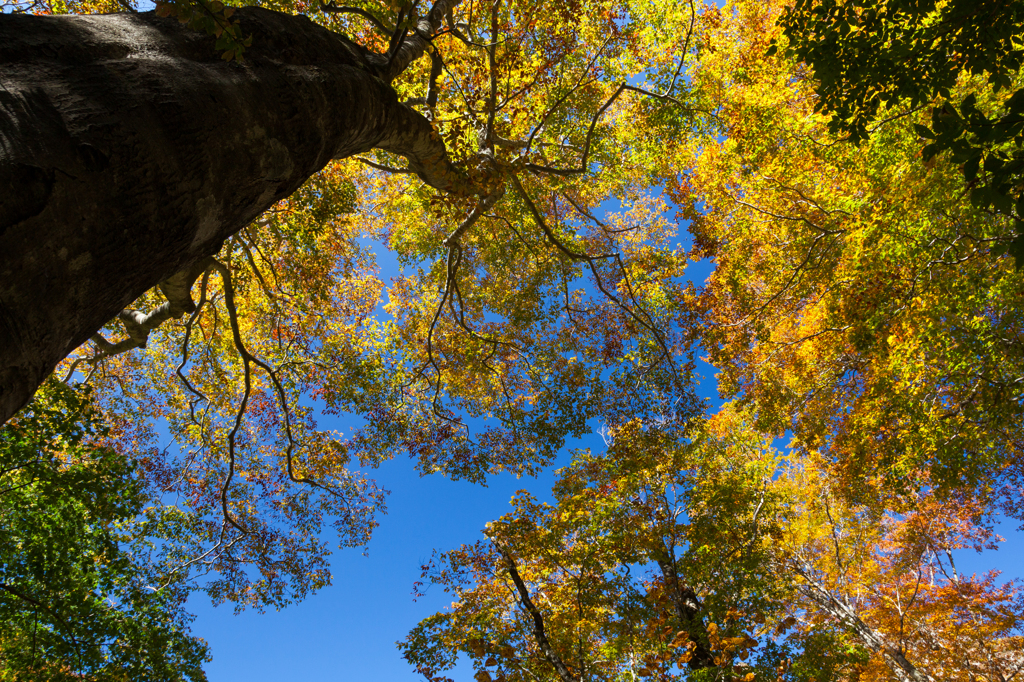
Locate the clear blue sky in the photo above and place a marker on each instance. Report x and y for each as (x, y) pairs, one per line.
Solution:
(348, 631)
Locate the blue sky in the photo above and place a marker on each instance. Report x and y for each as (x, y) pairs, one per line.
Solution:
(348, 631)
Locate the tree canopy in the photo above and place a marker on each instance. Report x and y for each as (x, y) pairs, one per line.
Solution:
(959, 60)
(860, 303)
(850, 173)
(520, 316)
(84, 590)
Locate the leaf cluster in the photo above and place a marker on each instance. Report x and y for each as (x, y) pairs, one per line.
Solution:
(652, 562)
(861, 302)
(211, 17)
(79, 595)
(877, 61)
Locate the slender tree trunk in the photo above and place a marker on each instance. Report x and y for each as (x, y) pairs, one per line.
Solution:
(840, 609)
(688, 612)
(129, 151)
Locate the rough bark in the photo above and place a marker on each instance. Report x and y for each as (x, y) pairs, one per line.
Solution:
(129, 151)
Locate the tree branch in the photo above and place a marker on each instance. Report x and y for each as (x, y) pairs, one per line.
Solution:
(412, 46)
(481, 208)
(538, 620)
(381, 167)
(436, 67)
(177, 289)
(590, 131)
(687, 607)
(411, 135)
(647, 323)
(842, 611)
(35, 602)
(377, 23)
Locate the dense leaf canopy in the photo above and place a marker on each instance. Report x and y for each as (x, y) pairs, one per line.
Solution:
(84, 590)
(519, 318)
(960, 60)
(864, 303)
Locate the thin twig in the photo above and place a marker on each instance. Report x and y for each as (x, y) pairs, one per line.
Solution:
(377, 23)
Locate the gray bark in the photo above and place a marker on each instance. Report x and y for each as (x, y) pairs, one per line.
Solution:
(129, 151)
(843, 612)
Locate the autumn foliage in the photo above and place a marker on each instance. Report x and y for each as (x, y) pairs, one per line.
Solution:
(860, 307)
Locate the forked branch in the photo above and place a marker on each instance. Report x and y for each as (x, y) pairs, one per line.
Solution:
(417, 41)
(452, 242)
(584, 160)
(663, 96)
(644, 320)
(841, 610)
(177, 289)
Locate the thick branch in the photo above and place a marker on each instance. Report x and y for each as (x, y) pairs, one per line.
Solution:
(436, 66)
(418, 40)
(331, 8)
(129, 151)
(177, 288)
(687, 608)
(413, 137)
(481, 208)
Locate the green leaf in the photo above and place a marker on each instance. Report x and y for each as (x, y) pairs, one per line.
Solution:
(924, 131)
(967, 105)
(971, 168)
(1016, 249)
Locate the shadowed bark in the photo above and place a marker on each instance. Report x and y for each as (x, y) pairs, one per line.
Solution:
(688, 613)
(129, 151)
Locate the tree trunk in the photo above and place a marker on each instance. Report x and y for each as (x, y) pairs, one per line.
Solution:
(130, 151)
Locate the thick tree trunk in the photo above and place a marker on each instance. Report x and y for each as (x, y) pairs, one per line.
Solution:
(129, 151)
